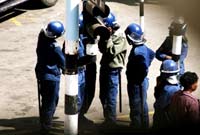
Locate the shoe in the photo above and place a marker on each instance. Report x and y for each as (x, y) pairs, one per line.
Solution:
(45, 128)
(85, 121)
(108, 124)
(44, 131)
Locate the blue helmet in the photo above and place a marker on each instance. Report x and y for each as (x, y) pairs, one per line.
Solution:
(134, 34)
(110, 21)
(54, 29)
(169, 67)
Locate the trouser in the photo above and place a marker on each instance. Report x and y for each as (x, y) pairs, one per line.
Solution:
(109, 80)
(81, 87)
(90, 83)
(138, 109)
(49, 91)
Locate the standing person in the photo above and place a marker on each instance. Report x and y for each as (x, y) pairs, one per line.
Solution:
(89, 73)
(139, 60)
(184, 107)
(167, 85)
(113, 59)
(165, 50)
(50, 60)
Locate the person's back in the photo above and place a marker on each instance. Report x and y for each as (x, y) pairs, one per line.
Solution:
(184, 107)
(167, 85)
(139, 60)
(50, 61)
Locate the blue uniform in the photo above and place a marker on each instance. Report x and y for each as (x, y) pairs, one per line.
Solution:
(166, 49)
(50, 60)
(86, 80)
(81, 76)
(163, 93)
(90, 75)
(138, 64)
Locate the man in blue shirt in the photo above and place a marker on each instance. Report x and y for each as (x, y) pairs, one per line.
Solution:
(50, 60)
(139, 60)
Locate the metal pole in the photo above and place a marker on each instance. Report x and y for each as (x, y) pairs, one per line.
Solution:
(39, 99)
(71, 75)
(142, 14)
(120, 92)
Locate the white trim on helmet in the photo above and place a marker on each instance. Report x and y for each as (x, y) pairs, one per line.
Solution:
(137, 42)
(170, 72)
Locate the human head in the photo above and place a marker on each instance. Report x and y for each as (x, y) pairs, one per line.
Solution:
(169, 70)
(177, 23)
(54, 29)
(169, 67)
(134, 34)
(111, 22)
(189, 80)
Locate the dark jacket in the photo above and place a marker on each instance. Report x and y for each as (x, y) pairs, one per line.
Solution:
(50, 59)
(139, 60)
(166, 49)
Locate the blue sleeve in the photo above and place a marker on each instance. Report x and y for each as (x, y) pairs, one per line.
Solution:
(151, 56)
(60, 58)
(160, 56)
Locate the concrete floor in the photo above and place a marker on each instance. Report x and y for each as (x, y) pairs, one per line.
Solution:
(18, 102)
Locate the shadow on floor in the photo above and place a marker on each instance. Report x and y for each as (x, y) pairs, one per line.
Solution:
(27, 126)
(31, 126)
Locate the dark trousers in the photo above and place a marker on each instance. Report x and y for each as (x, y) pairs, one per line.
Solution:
(109, 81)
(49, 91)
(137, 93)
(90, 85)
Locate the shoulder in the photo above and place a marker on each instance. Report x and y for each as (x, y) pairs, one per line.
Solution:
(189, 97)
(143, 49)
(172, 88)
(139, 50)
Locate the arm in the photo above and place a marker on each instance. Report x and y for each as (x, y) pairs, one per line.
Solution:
(114, 46)
(60, 57)
(136, 69)
(165, 50)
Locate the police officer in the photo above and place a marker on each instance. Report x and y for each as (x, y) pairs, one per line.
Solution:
(165, 50)
(50, 60)
(113, 59)
(139, 60)
(167, 85)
